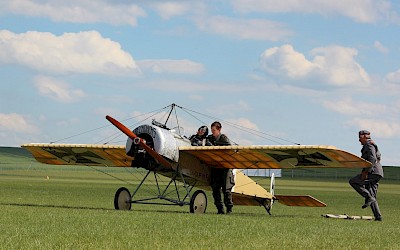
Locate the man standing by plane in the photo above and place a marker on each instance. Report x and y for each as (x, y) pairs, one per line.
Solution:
(221, 178)
(366, 183)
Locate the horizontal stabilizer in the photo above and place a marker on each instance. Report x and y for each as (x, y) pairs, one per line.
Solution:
(299, 200)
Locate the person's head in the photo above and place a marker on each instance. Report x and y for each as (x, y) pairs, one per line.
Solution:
(364, 136)
(216, 128)
(202, 131)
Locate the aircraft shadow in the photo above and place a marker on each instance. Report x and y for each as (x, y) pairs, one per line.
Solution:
(53, 206)
(146, 210)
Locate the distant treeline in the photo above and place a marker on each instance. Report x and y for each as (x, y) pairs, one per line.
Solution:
(9, 155)
(391, 173)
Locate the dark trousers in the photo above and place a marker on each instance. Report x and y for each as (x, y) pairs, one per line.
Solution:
(368, 188)
(220, 181)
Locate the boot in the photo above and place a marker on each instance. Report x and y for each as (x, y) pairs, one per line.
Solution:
(368, 202)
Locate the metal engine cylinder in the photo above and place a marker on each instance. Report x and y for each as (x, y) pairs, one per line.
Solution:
(164, 141)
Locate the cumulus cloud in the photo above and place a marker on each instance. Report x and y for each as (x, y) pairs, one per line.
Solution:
(242, 131)
(359, 10)
(379, 46)
(393, 77)
(245, 29)
(83, 52)
(16, 123)
(349, 107)
(171, 66)
(381, 129)
(76, 11)
(57, 90)
(170, 9)
(333, 65)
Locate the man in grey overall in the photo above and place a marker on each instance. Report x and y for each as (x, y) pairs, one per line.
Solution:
(222, 179)
(366, 183)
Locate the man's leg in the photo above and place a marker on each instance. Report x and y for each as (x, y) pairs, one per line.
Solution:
(217, 200)
(228, 200)
(359, 185)
(373, 189)
(216, 189)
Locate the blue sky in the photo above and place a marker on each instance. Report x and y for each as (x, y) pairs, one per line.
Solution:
(310, 72)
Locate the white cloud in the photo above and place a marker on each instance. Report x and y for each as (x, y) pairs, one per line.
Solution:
(333, 65)
(241, 131)
(83, 52)
(379, 46)
(57, 90)
(286, 60)
(170, 9)
(171, 66)
(16, 123)
(378, 128)
(349, 107)
(76, 11)
(363, 11)
(393, 77)
(245, 29)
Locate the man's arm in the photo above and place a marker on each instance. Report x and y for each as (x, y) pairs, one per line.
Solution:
(223, 141)
(369, 154)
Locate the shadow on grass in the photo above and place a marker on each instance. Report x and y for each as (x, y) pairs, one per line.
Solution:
(241, 214)
(53, 206)
(87, 208)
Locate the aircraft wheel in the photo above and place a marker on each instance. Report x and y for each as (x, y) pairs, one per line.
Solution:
(198, 202)
(122, 199)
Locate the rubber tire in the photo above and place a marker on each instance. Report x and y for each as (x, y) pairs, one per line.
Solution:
(122, 199)
(198, 202)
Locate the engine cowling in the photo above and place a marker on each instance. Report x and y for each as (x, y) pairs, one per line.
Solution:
(165, 142)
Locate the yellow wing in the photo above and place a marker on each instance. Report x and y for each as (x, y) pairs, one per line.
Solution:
(261, 157)
(80, 154)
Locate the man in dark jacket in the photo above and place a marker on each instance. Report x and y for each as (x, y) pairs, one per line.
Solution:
(366, 183)
(221, 178)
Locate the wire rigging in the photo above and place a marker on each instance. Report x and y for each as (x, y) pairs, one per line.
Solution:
(242, 128)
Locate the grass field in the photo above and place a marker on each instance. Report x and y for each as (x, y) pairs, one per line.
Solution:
(73, 209)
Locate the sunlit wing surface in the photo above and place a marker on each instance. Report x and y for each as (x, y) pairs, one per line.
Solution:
(247, 192)
(300, 200)
(262, 157)
(246, 185)
(80, 154)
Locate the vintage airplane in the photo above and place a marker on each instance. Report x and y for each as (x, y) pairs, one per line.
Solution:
(163, 151)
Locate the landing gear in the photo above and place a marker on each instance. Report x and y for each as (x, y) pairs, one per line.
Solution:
(198, 202)
(122, 199)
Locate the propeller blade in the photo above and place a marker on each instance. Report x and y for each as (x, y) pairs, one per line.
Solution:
(131, 135)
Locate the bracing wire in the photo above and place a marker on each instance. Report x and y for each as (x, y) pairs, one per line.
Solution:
(118, 134)
(242, 128)
(194, 114)
(108, 125)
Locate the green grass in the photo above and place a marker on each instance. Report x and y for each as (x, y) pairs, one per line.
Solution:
(73, 209)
